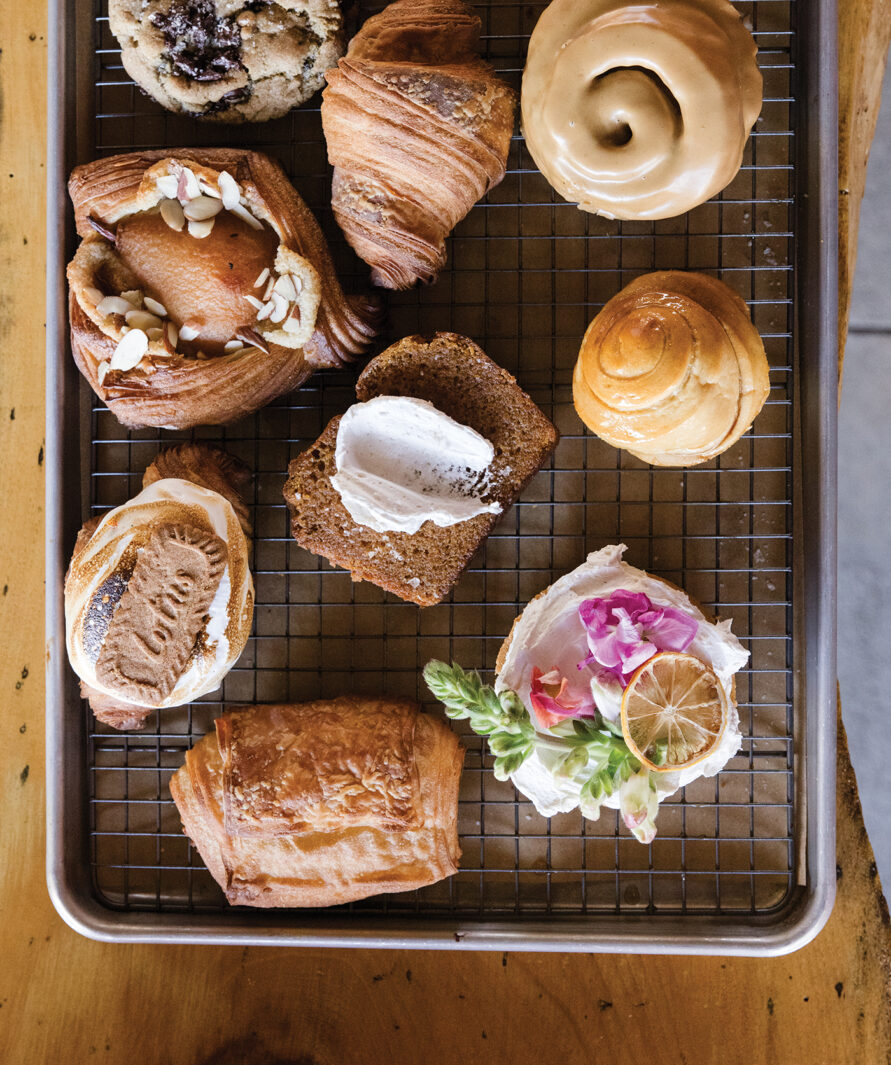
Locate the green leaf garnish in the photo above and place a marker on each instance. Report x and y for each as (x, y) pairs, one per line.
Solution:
(501, 718)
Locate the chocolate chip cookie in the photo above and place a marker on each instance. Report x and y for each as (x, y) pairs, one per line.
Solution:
(226, 59)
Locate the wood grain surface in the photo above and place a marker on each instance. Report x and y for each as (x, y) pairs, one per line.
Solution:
(66, 1000)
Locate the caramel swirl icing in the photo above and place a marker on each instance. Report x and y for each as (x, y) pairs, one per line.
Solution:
(640, 111)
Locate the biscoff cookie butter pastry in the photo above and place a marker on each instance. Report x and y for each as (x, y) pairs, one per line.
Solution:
(159, 598)
(640, 110)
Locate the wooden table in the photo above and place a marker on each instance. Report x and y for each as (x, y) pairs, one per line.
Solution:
(69, 1001)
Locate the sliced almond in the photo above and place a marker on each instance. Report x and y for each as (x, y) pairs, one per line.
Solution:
(202, 208)
(232, 346)
(172, 335)
(262, 279)
(285, 288)
(201, 229)
(270, 285)
(188, 332)
(297, 282)
(230, 190)
(133, 296)
(188, 187)
(207, 189)
(102, 370)
(280, 309)
(292, 324)
(166, 185)
(252, 338)
(155, 334)
(155, 307)
(245, 215)
(265, 311)
(172, 213)
(142, 320)
(114, 305)
(254, 302)
(94, 295)
(130, 350)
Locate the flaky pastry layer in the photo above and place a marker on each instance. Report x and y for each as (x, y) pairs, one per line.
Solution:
(339, 856)
(184, 391)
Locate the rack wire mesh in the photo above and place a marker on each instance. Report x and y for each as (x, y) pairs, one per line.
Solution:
(525, 274)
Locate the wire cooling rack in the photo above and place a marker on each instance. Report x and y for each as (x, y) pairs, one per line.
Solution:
(526, 272)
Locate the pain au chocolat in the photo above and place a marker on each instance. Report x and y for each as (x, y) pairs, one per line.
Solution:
(203, 287)
(159, 598)
(323, 803)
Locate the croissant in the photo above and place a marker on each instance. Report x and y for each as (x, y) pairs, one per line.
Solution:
(202, 288)
(322, 803)
(639, 110)
(159, 599)
(671, 369)
(418, 129)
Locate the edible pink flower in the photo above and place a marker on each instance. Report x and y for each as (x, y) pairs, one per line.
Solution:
(626, 628)
(551, 701)
(639, 804)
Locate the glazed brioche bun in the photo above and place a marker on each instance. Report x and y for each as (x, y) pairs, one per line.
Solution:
(672, 369)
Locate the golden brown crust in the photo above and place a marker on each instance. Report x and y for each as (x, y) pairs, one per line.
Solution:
(418, 129)
(339, 864)
(185, 391)
(208, 466)
(119, 715)
(672, 369)
(319, 766)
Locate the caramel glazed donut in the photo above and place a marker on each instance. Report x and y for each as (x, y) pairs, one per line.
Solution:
(672, 369)
(203, 287)
(640, 111)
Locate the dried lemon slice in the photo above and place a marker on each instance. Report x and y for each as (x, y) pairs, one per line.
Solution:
(674, 711)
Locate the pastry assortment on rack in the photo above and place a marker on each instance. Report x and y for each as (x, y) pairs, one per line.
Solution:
(159, 599)
(613, 690)
(232, 61)
(418, 129)
(203, 287)
(640, 110)
(404, 487)
(672, 369)
(324, 802)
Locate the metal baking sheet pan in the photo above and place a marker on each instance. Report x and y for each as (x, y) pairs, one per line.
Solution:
(744, 862)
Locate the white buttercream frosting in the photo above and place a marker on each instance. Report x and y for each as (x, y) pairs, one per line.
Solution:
(401, 461)
(550, 634)
(230, 612)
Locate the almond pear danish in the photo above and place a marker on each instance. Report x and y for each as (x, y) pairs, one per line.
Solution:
(672, 369)
(418, 129)
(159, 598)
(203, 287)
(640, 110)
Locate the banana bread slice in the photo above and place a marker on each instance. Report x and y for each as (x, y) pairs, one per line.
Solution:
(457, 377)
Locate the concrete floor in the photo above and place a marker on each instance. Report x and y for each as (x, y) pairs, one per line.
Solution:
(864, 518)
